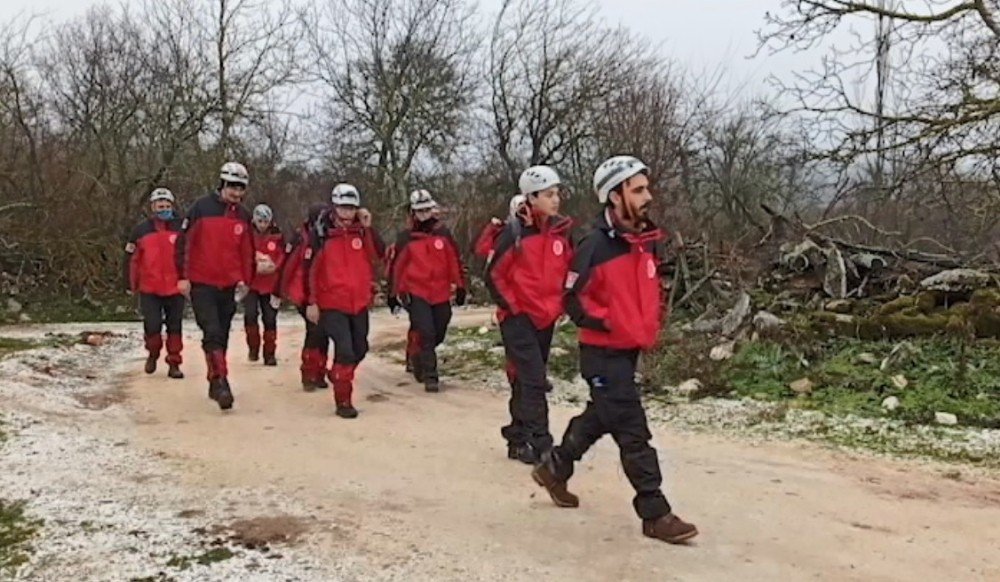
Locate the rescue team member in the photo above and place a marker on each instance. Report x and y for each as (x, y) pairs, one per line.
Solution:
(525, 278)
(293, 288)
(152, 273)
(426, 272)
(614, 297)
(341, 271)
(216, 261)
(486, 242)
(262, 301)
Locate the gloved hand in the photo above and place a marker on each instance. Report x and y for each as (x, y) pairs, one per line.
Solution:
(241, 292)
(460, 296)
(275, 302)
(312, 314)
(394, 305)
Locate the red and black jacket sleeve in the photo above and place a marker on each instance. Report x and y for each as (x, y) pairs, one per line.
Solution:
(187, 239)
(580, 273)
(498, 271)
(398, 260)
(456, 268)
(133, 259)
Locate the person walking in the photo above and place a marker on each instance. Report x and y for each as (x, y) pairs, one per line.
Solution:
(614, 296)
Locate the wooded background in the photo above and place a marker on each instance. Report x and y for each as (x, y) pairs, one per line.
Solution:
(391, 95)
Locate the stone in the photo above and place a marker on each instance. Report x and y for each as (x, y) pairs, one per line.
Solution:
(13, 305)
(688, 387)
(484, 330)
(945, 418)
(891, 403)
(957, 281)
(802, 386)
(839, 306)
(737, 315)
(868, 358)
(900, 381)
(766, 321)
(723, 352)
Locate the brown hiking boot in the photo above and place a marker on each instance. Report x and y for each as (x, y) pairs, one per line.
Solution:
(557, 489)
(669, 528)
(151, 364)
(175, 372)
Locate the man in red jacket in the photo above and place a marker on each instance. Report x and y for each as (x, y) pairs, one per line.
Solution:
(263, 298)
(294, 289)
(216, 261)
(426, 272)
(613, 295)
(525, 278)
(341, 272)
(152, 272)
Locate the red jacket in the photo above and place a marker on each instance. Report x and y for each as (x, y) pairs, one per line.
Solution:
(216, 248)
(293, 275)
(272, 244)
(426, 263)
(341, 267)
(613, 289)
(528, 270)
(152, 266)
(487, 240)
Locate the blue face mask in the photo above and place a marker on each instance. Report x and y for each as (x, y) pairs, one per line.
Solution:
(165, 214)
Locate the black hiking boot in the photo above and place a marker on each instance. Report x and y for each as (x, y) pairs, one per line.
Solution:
(347, 411)
(219, 391)
(175, 372)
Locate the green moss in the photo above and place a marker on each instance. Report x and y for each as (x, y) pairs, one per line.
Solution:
(205, 558)
(16, 532)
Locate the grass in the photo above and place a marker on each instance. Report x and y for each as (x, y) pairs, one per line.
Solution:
(61, 308)
(16, 532)
(9, 345)
(941, 375)
(205, 558)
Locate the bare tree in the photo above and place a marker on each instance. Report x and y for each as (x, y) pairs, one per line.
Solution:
(552, 64)
(255, 51)
(398, 83)
(945, 78)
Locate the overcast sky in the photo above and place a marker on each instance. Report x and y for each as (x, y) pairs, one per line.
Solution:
(701, 35)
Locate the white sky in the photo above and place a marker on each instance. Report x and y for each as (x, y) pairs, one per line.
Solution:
(700, 35)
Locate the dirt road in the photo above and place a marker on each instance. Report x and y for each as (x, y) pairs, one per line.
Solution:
(422, 480)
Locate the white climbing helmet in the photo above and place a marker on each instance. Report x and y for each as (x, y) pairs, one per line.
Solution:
(613, 172)
(234, 172)
(517, 202)
(537, 178)
(161, 194)
(345, 195)
(421, 200)
(263, 213)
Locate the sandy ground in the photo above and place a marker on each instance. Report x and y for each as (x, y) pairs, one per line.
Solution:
(420, 488)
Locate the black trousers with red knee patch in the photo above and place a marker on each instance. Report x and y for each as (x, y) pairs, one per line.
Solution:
(428, 326)
(214, 309)
(160, 311)
(615, 408)
(256, 307)
(314, 350)
(527, 349)
(350, 346)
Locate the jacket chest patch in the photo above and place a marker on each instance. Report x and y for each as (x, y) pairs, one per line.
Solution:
(272, 246)
(238, 229)
(439, 244)
(558, 248)
(356, 244)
